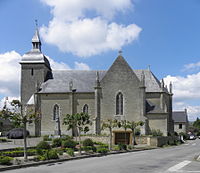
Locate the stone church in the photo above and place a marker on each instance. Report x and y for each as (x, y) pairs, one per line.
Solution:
(120, 92)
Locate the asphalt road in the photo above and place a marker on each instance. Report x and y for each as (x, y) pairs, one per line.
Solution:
(164, 160)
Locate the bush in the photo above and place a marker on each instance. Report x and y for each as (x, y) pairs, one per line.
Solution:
(69, 144)
(57, 142)
(43, 145)
(40, 152)
(66, 137)
(98, 143)
(70, 152)
(130, 147)
(41, 158)
(19, 153)
(51, 154)
(88, 142)
(122, 146)
(102, 150)
(156, 132)
(60, 151)
(116, 148)
(5, 160)
(104, 146)
(46, 138)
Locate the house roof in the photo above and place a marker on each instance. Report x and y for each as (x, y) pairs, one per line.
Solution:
(179, 116)
(84, 81)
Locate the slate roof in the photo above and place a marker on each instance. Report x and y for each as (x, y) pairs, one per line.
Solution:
(179, 116)
(34, 56)
(84, 81)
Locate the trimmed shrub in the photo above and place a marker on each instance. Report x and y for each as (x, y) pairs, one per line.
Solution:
(43, 145)
(56, 142)
(122, 146)
(104, 146)
(102, 150)
(18, 153)
(70, 152)
(51, 154)
(69, 144)
(5, 160)
(98, 143)
(88, 142)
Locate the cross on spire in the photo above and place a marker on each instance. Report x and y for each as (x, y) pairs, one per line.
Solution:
(36, 23)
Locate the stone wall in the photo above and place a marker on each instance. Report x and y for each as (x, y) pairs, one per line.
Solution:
(160, 141)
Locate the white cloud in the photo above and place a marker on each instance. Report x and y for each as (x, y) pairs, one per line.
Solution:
(58, 65)
(186, 89)
(192, 66)
(81, 66)
(83, 35)
(10, 72)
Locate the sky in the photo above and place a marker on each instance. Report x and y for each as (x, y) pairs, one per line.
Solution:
(87, 35)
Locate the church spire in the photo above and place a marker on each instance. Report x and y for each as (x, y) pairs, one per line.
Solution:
(36, 39)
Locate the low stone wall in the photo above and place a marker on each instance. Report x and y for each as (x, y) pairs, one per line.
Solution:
(141, 139)
(104, 139)
(159, 141)
(30, 141)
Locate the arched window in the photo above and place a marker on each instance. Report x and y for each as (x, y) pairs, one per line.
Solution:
(85, 109)
(119, 104)
(56, 112)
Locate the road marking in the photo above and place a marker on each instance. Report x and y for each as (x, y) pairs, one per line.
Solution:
(186, 144)
(194, 144)
(175, 168)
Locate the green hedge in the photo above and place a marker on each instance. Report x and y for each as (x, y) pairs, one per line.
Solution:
(19, 153)
(5, 160)
(88, 142)
(68, 144)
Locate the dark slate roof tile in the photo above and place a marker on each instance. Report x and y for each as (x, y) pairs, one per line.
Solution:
(179, 116)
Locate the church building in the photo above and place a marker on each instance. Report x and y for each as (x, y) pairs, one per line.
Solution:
(121, 93)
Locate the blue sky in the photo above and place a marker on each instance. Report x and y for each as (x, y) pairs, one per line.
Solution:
(163, 34)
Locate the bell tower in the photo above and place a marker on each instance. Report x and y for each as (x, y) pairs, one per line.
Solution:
(35, 69)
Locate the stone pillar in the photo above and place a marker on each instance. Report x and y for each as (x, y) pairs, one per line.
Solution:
(72, 104)
(97, 89)
(143, 103)
(162, 105)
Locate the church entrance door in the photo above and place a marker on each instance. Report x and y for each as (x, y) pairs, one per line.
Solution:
(122, 138)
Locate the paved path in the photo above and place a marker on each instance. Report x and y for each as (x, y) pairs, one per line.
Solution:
(164, 160)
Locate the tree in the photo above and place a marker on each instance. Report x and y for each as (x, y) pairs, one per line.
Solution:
(19, 115)
(196, 123)
(80, 122)
(110, 124)
(132, 125)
